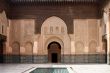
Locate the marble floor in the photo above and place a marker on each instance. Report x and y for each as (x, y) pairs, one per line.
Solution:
(73, 68)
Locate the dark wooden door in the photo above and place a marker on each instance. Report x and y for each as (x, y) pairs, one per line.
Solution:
(54, 52)
(54, 58)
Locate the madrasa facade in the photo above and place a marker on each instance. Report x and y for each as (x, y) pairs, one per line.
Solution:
(57, 31)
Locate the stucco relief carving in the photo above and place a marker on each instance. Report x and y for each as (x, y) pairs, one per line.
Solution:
(62, 30)
(55, 39)
(55, 25)
(28, 31)
(45, 30)
(3, 23)
(79, 47)
(56, 29)
(29, 27)
(16, 48)
(28, 48)
(92, 46)
(51, 29)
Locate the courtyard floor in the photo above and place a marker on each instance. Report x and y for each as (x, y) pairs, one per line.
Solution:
(75, 68)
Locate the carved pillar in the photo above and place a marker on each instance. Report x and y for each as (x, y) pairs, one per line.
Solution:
(108, 36)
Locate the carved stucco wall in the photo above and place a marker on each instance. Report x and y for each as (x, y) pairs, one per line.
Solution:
(106, 19)
(55, 29)
(28, 48)
(16, 48)
(86, 37)
(3, 28)
(92, 47)
(79, 47)
(21, 31)
(3, 23)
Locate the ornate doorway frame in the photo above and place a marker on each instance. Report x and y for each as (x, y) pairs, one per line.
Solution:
(54, 52)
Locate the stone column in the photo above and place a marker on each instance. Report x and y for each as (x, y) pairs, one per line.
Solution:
(108, 37)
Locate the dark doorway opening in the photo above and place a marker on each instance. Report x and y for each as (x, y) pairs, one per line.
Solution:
(54, 52)
(1, 52)
(105, 48)
(54, 58)
(2, 47)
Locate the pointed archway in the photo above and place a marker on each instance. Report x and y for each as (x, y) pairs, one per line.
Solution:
(54, 52)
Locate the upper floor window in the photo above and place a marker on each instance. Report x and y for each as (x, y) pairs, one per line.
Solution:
(51, 29)
(57, 29)
(55, 25)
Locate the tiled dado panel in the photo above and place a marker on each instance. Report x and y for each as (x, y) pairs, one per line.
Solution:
(11, 58)
(40, 59)
(66, 59)
(109, 59)
(82, 58)
(89, 58)
(76, 59)
(26, 59)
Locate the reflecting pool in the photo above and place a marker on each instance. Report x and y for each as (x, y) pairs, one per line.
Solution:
(50, 70)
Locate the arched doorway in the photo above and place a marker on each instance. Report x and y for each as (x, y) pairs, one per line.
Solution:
(54, 52)
(105, 48)
(16, 52)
